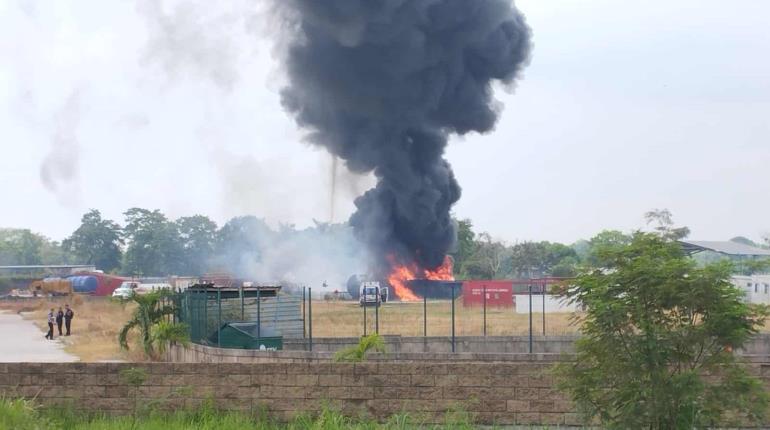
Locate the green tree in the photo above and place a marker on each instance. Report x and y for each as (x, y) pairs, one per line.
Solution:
(20, 247)
(154, 245)
(602, 244)
(658, 332)
(488, 258)
(150, 319)
(198, 236)
(465, 247)
(664, 224)
(541, 259)
(97, 241)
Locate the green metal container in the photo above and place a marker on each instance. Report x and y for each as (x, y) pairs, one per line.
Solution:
(245, 335)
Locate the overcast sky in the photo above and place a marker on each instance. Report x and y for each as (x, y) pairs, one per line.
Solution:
(625, 107)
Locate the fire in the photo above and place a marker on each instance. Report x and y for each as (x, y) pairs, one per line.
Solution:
(402, 273)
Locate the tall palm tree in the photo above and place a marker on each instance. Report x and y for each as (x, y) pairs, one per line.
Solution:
(150, 319)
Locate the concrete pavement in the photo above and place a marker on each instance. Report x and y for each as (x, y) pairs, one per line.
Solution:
(22, 341)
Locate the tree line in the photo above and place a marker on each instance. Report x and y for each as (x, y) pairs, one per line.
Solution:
(148, 243)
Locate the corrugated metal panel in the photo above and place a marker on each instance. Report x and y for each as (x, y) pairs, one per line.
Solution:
(282, 312)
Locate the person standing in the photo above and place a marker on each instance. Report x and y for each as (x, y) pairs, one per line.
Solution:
(51, 320)
(59, 319)
(68, 315)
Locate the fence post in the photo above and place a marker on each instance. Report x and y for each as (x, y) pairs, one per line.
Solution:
(259, 316)
(544, 285)
(485, 310)
(304, 331)
(424, 316)
(219, 316)
(310, 315)
(243, 318)
(453, 318)
(205, 311)
(530, 316)
(377, 312)
(365, 319)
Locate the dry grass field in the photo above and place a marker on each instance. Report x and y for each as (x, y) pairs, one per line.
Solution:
(95, 328)
(98, 321)
(340, 319)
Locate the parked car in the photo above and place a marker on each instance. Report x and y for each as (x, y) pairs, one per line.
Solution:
(125, 290)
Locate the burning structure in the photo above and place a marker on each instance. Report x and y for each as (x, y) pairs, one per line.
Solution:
(382, 85)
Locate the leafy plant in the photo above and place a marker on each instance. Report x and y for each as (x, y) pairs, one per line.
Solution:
(658, 335)
(357, 353)
(150, 319)
(165, 332)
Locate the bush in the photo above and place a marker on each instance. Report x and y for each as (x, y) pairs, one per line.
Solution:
(658, 335)
(357, 353)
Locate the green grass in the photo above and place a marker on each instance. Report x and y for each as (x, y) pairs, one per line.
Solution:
(16, 414)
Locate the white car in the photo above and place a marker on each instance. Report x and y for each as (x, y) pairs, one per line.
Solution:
(125, 290)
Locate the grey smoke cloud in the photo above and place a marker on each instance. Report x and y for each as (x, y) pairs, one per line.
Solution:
(198, 38)
(60, 169)
(382, 85)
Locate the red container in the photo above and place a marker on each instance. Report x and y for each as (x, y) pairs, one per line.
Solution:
(499, 293)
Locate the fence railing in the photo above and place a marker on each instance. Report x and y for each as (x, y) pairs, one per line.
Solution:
(531, 313)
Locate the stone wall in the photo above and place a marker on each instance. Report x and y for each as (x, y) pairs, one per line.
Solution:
(493, 392)
(503, 393)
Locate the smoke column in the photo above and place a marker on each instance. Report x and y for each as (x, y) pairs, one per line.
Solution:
(381, 84)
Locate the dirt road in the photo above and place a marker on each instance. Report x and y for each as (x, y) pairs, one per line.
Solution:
(20, 340)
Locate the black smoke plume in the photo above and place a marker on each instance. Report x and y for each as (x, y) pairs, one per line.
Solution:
(382, 84)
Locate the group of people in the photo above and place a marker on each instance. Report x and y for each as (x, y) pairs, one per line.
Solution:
(62, 316)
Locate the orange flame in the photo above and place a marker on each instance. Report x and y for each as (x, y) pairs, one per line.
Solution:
(402, 273)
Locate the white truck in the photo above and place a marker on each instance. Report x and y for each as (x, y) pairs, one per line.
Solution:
(371, 293)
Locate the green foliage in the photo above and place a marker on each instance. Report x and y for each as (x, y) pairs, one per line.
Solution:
(154, 248)
(23, 415)
(165, 331)
(97, 241)
(357, 353)
(149, 314)
(603, 244)
(465, 246)
(657, 336)
(21, 247)
(20, 414)
(198, 235)
(664, 224)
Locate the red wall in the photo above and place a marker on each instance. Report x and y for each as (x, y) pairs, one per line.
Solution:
(499, 293)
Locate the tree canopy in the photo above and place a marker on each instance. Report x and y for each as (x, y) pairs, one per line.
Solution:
(658, 331)
(97, 241)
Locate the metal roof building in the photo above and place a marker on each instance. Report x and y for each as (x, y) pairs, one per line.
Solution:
(732, 249)
(45, 270)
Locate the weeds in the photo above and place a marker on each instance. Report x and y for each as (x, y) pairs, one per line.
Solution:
(19, 414)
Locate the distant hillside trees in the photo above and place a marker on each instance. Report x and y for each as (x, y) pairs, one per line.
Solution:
(22, 247)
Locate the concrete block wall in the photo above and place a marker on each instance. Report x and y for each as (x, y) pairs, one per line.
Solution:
(443, 344)
(194, 353)
(502, 393)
